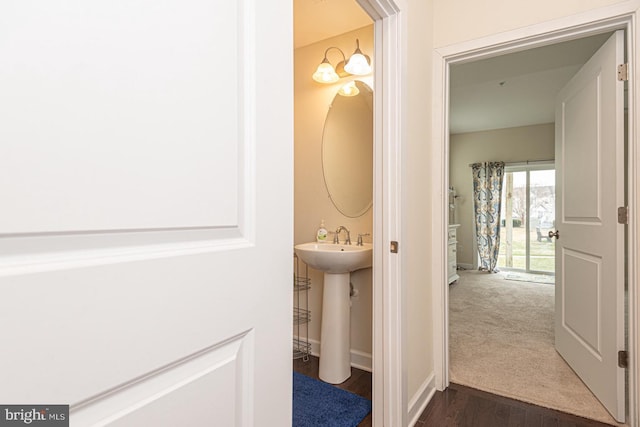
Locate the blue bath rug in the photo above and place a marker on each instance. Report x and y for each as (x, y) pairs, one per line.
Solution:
(318, 404)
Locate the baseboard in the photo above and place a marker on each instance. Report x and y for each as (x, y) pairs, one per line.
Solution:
(465, 266)
(359, 359)
(421, 399)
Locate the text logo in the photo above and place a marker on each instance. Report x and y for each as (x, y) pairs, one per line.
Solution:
(34, 415)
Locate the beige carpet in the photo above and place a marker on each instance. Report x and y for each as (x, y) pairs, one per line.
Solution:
(502, 341)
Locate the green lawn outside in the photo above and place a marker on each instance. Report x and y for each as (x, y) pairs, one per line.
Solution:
(542, 257)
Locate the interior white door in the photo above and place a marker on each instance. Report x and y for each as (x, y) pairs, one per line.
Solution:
(146, 220)
(589, 324)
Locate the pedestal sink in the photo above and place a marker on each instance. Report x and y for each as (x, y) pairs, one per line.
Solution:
(337, 262)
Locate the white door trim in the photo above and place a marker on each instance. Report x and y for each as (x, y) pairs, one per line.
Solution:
(389, 377)
(621, 15)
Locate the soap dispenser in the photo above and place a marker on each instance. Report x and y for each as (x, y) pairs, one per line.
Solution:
(321, 235)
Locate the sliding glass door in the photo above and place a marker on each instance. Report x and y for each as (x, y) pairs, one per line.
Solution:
(528, 213)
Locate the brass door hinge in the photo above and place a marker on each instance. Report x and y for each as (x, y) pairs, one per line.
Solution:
(623, 72)
(623, 359)
(623, 215)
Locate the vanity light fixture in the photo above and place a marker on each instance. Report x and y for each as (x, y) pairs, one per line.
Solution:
(359, 64)
(349, 89)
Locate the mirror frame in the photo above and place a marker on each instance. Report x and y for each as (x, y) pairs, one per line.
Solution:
(365, 90)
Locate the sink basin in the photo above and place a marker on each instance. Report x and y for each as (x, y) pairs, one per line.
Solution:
(335, 258)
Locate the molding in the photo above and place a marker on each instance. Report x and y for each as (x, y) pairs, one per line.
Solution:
(67, 260)
(541, 34)
(379, 9)
(621, 15)
(633, 232)
(117, 403)
(359, 359)
(465, 266)
(247, 188)
(440, 221)
(389, 364)
(421, 399)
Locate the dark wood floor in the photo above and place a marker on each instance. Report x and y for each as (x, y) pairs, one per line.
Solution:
(460, 406)
(463, 406)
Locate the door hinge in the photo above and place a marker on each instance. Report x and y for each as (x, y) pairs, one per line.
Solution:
(623, 72)
(623, 359)
(623, 215)
(393, 247)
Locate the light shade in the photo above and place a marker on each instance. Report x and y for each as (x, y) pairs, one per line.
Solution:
(349, 89)
(358, 64)
(325, 73)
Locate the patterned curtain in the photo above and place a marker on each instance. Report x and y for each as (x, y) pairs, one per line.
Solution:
(487, 194)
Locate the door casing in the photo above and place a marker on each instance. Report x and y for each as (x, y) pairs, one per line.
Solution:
(622, 16)
(389, 376)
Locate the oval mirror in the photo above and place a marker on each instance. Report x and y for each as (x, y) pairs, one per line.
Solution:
(347, 151)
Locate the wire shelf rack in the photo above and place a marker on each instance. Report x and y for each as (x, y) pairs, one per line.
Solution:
(301, 312)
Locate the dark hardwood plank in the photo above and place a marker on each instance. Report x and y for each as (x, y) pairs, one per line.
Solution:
(533, 419)
(502, 413)
(461, 406)
(516, 416)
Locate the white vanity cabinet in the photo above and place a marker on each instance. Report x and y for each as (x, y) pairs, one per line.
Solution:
(452, 270)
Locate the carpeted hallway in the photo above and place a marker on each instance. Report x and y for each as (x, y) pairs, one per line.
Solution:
(502, 341)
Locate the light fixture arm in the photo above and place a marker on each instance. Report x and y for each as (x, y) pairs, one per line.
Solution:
(358, 47)
(326, 52)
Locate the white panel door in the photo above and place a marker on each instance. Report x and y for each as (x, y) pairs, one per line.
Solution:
(146, 210)
(589, 324)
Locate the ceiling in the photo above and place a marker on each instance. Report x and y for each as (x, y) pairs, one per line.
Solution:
(315, 20)
(517, 89)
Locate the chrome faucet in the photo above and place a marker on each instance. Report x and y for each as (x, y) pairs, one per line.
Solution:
(336, 237)
(360, 236)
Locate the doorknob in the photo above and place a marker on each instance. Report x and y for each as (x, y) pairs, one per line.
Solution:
(556, 234)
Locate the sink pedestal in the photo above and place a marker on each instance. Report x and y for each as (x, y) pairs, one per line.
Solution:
(335, 350)
(337, 261)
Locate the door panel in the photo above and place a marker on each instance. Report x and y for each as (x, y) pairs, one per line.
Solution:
(590, 250)
(581, 144)
(214, 382)
(581, 310)
(140, 179)
(91, 88)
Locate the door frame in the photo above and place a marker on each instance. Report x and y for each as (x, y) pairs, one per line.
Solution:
(618, 16)
(389, 376)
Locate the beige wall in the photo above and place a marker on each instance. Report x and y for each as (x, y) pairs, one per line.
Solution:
(416, 208)
(311, 200)
(461, 20)
(507, 145)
